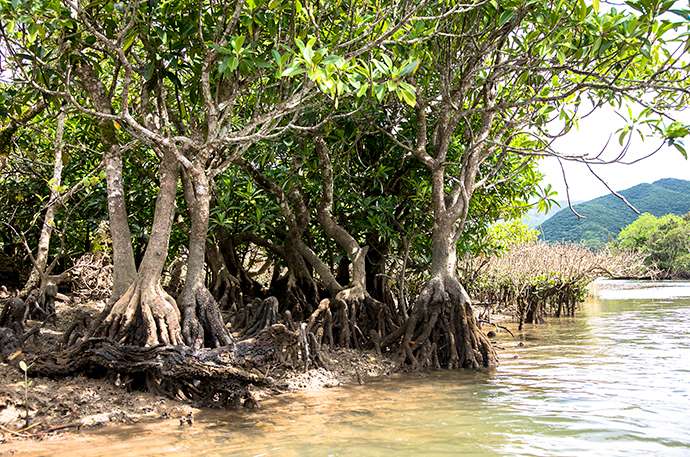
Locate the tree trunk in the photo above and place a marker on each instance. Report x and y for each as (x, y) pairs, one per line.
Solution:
(202, 323)
(442, 331)
(38, 272)
(301, 285)
(296, 290)
(145, 314)
(376, 270)
(358, 317)
(124, 267)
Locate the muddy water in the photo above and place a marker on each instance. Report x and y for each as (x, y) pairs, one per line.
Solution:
(613, 381)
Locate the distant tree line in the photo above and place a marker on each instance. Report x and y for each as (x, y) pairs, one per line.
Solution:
(664, 241)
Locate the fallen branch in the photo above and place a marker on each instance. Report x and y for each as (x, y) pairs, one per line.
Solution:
(496, 325)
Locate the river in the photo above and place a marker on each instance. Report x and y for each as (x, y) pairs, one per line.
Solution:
(613, 381)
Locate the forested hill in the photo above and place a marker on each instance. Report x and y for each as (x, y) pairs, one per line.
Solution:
(606, 216)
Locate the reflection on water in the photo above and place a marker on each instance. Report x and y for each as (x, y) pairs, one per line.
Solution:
(613, 381)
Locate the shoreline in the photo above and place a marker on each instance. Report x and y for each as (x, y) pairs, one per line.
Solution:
(66, 405)
(62, 407)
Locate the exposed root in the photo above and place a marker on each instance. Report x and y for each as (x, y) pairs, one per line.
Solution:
(298, 295)
(320, 323)
(40, 301)
(144, 315)
(79, 330)
(9, 343)
(260, 315)
(353, 319)
(210, 377)
(202, 323)
(276, 345)
(13, 315)
(442, 331)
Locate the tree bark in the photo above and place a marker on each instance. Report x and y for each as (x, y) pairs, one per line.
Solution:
(359, 317)
(124, 267)
(38, 272)
(376, 268)
(145, 314)
(297, 220)
(442, 331)
(345, 240)
(202, 323)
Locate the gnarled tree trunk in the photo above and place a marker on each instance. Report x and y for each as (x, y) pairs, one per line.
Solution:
(300, 285)
(202, 323)
(145, 314)
(358, 316)
(442, 331)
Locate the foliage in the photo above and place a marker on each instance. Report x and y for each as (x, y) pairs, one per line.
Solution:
(664, 241)
(25, 184)
(353, 149)
(504, 236)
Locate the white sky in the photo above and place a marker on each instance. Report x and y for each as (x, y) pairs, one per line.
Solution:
(591, 137)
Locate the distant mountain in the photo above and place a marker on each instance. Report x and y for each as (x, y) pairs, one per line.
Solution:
(606, 216)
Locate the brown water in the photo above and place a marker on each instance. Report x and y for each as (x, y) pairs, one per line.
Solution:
(613, 381)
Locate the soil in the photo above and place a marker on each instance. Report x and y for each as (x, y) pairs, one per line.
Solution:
(47, 408)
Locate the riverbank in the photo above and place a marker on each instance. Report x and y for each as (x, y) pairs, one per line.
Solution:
(47, 408)
(576, 388)
(57, 406)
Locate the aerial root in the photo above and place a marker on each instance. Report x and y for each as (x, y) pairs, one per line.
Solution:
(442, 331)
(202, 323)
(148, 305)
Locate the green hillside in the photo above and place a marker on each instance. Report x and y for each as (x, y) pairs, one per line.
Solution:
(534, 218)
(606, 216)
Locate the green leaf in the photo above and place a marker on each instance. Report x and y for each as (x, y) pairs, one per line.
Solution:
(24, 367)
(276, 56)
(379, 91)
(681, 148)
(338, 61)
(407, 96)
(236, 42)
(505, 17)
(228, 64)
(408, 93)
(582, 9)
(621, 137)
(677, 130)
(293, 70)
(410, 68)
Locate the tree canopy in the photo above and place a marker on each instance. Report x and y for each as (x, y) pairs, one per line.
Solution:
(326, 160)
